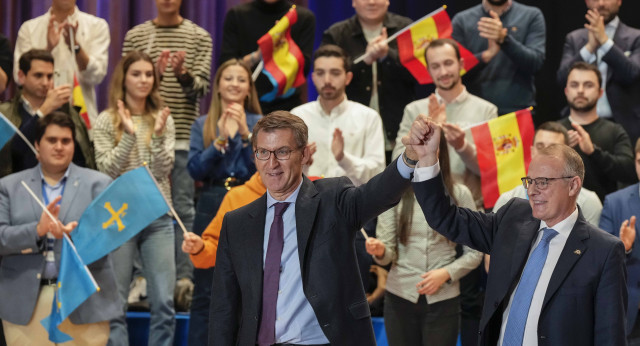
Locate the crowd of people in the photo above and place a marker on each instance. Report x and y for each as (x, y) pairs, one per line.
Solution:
(294, 222)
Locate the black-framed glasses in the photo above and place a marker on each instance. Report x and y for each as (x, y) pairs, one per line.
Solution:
(541, 183)
(280, 153)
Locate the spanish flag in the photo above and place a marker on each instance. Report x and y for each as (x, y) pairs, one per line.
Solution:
(283, 59)
(413, 43)
(504, 152)
(78, 102)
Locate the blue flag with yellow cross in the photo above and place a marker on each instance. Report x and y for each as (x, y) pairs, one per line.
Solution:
(75, 285)
(123, 209)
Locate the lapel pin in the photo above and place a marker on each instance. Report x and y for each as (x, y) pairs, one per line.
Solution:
(75, 183)
(577, 252)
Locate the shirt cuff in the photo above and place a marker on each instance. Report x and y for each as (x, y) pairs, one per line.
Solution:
(587, 56)
(404, 170)
(425, 173)
(605, 48)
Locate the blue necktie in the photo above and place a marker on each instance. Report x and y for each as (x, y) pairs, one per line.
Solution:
(514, 332)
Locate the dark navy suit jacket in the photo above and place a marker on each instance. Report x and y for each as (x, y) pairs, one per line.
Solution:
(586, 300)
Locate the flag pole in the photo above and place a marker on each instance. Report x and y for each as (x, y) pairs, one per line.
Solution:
(38, 201)
(403, 30)
(20, 134)
(173, 211)
(257, 71)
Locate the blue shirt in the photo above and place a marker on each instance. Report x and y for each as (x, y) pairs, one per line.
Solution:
(210, 163)
(296, 321)
(52, 192)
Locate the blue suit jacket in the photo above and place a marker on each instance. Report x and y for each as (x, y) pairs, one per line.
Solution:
(623, 75)
(620, 206)
(21, 248)
(586, 299)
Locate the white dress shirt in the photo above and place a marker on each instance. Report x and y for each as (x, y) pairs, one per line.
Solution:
(363, 140)
(556, 245)
(603, 107)
(92, 35)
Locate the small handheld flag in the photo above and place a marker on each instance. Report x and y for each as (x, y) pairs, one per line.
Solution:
(283, 59)
(122, 210)
(504, 152)
(75, 285)
(413, 42)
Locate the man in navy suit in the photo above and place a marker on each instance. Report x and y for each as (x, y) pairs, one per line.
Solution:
(615, 48)
(554, 278)
(313, 294)
(619, 218)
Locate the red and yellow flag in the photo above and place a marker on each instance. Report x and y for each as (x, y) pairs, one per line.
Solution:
(78, 101)
(413, 42)
(283, 59)
(504, 152)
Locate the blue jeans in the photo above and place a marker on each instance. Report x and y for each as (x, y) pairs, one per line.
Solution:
(156, 246)
(182, 194)
(208, 205)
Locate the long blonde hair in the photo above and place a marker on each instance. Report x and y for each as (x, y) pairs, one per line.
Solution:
(251, 103)
(117, 92)
(406, 211)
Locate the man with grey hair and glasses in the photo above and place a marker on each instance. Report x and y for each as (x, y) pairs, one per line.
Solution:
(554, 278)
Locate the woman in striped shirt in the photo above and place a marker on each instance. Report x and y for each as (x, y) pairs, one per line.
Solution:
(136, 129)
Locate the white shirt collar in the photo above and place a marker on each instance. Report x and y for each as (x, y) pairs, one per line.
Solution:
(459, 99)
(27, 106)
(337, 110)
(565, 226)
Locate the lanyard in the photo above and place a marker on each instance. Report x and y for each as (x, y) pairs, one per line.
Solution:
(44, 191)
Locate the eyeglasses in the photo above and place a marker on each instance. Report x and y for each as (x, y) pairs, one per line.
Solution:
(541, 183)
(280, 154)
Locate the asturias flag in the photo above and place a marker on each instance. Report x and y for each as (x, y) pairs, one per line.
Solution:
(283, 59)
(413, 42)
(7, 130)
(504, 152)
(75, 285)
(122, 210)
(78, 101)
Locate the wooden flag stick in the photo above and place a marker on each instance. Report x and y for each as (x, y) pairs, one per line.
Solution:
(173, 211)
(38, 201)
(403, 30)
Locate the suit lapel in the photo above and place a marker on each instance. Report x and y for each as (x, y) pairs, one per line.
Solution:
(70, 190)
(306, 209)
(573, 249)
(253, 245)
(35, 184)
(522, 247)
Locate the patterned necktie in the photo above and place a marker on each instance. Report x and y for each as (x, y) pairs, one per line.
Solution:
(514, 332)
(271, 278)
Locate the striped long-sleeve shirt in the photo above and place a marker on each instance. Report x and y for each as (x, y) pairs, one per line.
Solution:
(133, 150)
(181, 96)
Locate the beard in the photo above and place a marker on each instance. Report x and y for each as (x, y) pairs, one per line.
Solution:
(586, 107)
(453, 84)
(497, 2)
(610, 17)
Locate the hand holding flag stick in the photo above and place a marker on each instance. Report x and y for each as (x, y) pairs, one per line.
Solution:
(61, 230)
(400, 32)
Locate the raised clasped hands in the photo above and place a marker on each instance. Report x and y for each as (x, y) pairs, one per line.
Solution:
(423, 140)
